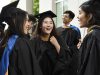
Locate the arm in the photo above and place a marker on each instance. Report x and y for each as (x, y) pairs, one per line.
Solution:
(63, 60)
(54, 41)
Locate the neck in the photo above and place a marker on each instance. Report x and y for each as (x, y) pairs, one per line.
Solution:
(66, 24)
(45, 37)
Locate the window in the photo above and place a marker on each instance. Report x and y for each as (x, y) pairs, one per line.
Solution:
(61, 6)
(59, 12)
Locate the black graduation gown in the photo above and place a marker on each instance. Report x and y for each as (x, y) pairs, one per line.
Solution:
(50, 61)
(90, 53)
(22, 59)
(71, 38)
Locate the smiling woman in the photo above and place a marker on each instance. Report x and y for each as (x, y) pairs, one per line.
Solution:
(51, 51)
(89, 16)
(18, 58)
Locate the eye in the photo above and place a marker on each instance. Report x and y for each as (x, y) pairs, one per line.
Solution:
(45, 21)
(51, 22)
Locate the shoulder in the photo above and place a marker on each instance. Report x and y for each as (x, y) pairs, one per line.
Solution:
(22, 42)
(74, 27)
(93, 34)
(59, 29)
(96, 33)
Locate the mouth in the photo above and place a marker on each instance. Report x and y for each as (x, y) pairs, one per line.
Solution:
(48, 28)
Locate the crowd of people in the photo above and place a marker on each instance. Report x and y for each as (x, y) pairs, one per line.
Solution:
(32, 45)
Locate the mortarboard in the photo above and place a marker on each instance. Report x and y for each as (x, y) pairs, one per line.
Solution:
(46, 14)
(2, 25)
(5, 10)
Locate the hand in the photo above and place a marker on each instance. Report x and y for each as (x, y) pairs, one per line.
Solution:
(6, 72)
(54, 42)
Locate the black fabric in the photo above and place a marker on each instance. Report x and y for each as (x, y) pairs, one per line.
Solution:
(70, 36)
(1, 51)
(5, 10)
(23, 60)
(90, 53)
(45, 14)
(50, 61)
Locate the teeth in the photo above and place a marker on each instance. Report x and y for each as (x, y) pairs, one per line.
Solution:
(48, 28)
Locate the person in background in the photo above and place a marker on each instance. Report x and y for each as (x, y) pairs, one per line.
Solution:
(89, 16)
(71, 36)
(18, 57)
(68, 16)
(51, 51)
(32, 21)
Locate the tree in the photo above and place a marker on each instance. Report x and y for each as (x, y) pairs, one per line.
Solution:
(35, 7)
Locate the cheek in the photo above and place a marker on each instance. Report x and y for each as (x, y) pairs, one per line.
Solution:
(52, 25)
(43, 28)
(82, 20)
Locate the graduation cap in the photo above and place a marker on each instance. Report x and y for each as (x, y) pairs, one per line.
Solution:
(46, 14)
(6, 10)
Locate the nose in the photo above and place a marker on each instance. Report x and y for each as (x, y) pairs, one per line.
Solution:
(78, 16)
(28, 23)
(48, 24)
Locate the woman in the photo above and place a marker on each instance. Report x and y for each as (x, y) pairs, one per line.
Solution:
(51, 52)
(18, 56)
(89, 16)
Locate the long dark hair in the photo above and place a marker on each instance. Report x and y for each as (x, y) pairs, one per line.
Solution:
(39, 29)
(2, 33)
(92, 7)
(15, 20)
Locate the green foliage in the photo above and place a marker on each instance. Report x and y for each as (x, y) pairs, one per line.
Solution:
(35, 7)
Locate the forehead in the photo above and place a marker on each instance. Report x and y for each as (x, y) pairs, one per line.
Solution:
(47, 19)
(66, 14)
(80, 10)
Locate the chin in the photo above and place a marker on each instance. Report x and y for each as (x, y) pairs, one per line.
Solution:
(46, 33)
(82, 25)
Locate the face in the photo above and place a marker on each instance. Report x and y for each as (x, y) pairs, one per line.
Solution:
(26, 25)
(82, 18)
(30, 25)
(66, 19)
(47, 25)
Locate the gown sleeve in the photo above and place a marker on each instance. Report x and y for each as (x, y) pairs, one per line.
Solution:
(13, 61)
(63, 59)
(90, 55)
(23, 60)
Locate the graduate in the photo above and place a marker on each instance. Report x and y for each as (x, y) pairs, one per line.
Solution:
(89, 16)
(31, 27)
(18, 56)
(71, 36)
(51, 51)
